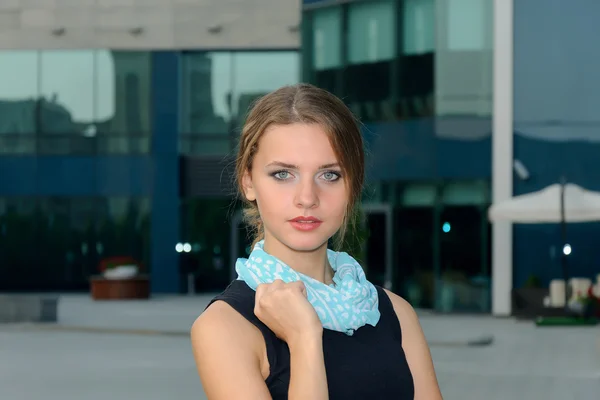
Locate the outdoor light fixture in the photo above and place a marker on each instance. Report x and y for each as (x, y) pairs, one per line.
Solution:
(183, 247)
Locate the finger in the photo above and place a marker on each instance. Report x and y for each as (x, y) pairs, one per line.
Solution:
(260, 288)
(277, 283)
(300, 286)
(260, 291)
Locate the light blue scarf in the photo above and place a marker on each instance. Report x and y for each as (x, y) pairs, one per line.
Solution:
(350, 303)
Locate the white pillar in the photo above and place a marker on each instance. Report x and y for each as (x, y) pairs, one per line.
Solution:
(502, 155)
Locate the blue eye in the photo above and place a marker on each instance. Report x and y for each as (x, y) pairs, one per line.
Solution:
(331, 176)
(281, 175)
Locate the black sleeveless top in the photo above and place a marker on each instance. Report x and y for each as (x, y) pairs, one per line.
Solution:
(370, 364)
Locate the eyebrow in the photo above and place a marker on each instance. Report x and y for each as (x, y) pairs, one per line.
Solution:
(292, 166)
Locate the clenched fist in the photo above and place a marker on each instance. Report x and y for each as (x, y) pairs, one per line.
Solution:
(284, 308)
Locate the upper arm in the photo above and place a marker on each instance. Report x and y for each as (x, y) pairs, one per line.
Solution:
(416, 349)
(225, 350)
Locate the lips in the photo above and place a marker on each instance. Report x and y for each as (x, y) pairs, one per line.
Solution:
(306, 220)
(305, 224)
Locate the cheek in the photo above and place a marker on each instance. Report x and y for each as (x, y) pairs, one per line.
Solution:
(336, 201)
(270, 196)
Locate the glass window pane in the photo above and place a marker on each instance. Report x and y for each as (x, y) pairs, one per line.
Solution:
(416, 75)
(327, 42)
(463, 62)
(19, 90)
(370, 32)
(206, 226)
(124, 229)
(469, 23)
(207, 85)
(219, 87)
(56, 243)
(122, 101)
(19, 264)
(206, 103)
(371, 44)
(66, 106)
(257, 73)
(67, 90)
(326, 48)
(419, 26)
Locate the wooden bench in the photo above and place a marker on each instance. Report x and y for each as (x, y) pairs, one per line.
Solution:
(120, 289)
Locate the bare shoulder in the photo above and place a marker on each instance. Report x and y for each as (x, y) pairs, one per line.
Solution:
(219, 321)
(225, 345)
(416, 349)
(409, 321)
(218, 315)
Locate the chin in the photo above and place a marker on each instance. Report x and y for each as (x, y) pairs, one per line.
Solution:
(307, 244)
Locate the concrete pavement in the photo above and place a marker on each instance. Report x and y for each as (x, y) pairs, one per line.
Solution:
(119, 350)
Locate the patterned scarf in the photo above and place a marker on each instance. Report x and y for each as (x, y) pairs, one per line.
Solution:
(350, 303)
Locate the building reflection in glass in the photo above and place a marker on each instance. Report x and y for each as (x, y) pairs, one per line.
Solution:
(219, 87)
(74, 101)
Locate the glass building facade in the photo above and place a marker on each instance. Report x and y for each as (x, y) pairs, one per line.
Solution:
(93, 149)
(418, 74)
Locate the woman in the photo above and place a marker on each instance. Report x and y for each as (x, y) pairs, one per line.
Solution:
(302, 321)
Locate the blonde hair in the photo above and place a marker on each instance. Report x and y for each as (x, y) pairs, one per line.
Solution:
(306, 104)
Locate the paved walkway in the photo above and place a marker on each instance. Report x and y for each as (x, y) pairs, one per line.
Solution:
(121, 351)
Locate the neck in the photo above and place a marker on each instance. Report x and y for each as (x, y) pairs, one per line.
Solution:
(310, 263)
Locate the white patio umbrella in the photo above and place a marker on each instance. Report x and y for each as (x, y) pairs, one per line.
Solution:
(545, 206)
(558, 203)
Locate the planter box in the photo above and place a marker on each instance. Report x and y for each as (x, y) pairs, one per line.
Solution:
(120, 289)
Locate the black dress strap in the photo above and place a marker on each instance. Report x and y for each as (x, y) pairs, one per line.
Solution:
(388, 314)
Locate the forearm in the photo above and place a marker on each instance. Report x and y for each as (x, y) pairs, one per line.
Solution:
(307, 367)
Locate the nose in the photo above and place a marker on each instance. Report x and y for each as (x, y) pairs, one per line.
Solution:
(307, 195)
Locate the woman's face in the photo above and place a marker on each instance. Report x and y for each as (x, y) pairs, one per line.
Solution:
(298, 186)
